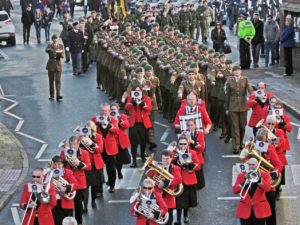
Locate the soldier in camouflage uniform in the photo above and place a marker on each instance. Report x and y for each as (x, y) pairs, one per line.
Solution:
(193, 24)
(189, 84)
(175, 17)
(184, 22)
(130, 18)
(204, 18)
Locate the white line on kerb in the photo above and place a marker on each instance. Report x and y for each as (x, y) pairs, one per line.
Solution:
(16, 216)
(118, 201)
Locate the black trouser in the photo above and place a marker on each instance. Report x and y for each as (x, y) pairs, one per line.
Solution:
(110, 162)
(72, 7)
(255, 129)
(26, 33)
(59, 213)
(78, 205)
(134, 151)
(84, 60)
(179, 212)
(170, 221)
(245, 57)
(288, 58)
(271, 197)
(86, 194)
(67, 53)
(252, 220)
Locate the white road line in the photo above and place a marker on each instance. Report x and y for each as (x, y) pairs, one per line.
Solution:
(18, 127)
(41, 151)
(118, 201)
(165, 143)
(273, 74)
(1, 91)
(15, 205)
(161, 124)
(295, 124)
(4, 55)
(13, 115)
(288, 197)
(130, 188)
(44, 160)
(298, 135)
(15, 215)
(165, 135)
(238, 198)
(229, 198)
(31, 137)
(230, 156)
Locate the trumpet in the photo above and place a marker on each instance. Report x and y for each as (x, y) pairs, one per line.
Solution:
(271, 137)
(172, 146)
(161, 174)
(252, 177)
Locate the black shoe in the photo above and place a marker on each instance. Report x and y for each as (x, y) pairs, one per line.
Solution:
(120, 175)
(94, 205)
(222, 136)
(177, 223)
(111, 190)
(255, 66)
(84, 209)
(28, 42)
(286, 75)
(133, 165)
(152, 146)
(227, 139)
(39, 41)
(98, 87)
(262, 56)
(235, 151)
(78, 73)
(215, 128)
(272, 64)
(67, 61)
(51, 98)
(185, 219)
(58, 98)
(99, 195)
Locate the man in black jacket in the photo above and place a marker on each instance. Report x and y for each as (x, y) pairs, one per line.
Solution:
(27, 20)
(75, 44)
(258, 39)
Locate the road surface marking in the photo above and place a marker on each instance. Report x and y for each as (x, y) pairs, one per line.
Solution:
(165, 135)
(4, 55)
(1, 91)
(31, 137)
(276, 75)
(165, 143)
(296, 174)
(161, 124)
(15, 215)
(15, 205)
(295, 124)
(118, 201)
(44, 160)
(229, 198)
(298, 135)
(18, 127)
(41, 151)
(230, 156)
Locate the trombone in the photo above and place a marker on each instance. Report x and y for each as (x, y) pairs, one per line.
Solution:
(26, 209)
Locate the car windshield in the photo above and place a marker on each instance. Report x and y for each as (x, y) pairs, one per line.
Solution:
(3, 17)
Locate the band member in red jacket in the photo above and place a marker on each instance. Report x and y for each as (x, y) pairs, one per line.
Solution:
(197, 144)
(78, 161)
(64, 206)
(93, 144)
(139, 108)
(272, 157)
(123, 156)
(268, 109)
(193, 107)
(257, 101)
(175, 184)
(147, 194)
(188, 161)
(108, 129)
(253, 208)
(37, 213)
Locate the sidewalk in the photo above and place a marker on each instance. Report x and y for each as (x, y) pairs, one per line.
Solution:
(13, 165)
(286, 88)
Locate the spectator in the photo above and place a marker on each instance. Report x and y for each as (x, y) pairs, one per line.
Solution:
(271, 34)
(287, 42)
(27, 20)
(65, 6)
(6, 6)
(72, 7)
(69, 221)
(46, 23)
(38, 15)
(218, 36)
(258, 39)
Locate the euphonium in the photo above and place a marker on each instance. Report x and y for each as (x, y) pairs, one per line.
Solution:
(85, 141)
(161, 174)
(60, 181)
(71, 160)
(271, 137)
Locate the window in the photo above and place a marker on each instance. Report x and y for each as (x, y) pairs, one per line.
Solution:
(3, 17)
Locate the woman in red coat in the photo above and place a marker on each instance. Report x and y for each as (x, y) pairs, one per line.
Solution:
(123, 141)
(108, 129)
(64, 206)
(149, 194)
(197, 144)
(139, 120)
(93, 144)
(254, 207)
(29, 200)
(188, 161)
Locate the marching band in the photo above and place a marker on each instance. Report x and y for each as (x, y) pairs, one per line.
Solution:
(198, 91)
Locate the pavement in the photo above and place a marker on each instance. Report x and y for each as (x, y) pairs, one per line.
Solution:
(13, 165)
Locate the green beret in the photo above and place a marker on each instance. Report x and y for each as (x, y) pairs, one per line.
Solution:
(185, 36)
(148, 67)
(236, 68)
(228, 61)
(190, 70)
(193, 65)
(211, 51)
(184, 58)
(171, 50)
(165, 47)
(217, 54)
(159, 38)
(122, 38)
(140, 51)
(170, 29)
(128, 24)
(136, 30)
(205, 47)
(180, 35)
(194, 42)
(166, 27)
(176, 32)
(179, 56)
(221, 54)
(135, 50)
(144, 64)
(153, 38)
(113, 34)
(142, 31)
(161, 43)
(139, 69)
(188, 63)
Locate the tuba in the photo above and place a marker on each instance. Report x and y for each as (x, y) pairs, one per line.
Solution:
(161, 174)
(265, 166)
(138, 198)
(60, 181)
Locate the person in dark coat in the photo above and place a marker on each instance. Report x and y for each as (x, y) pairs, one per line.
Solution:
(75, 46)
(6, 6)
(258, 39)
(287, 42)
(27, 20)
(218, 36)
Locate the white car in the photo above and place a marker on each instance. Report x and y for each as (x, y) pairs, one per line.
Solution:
(7, 29)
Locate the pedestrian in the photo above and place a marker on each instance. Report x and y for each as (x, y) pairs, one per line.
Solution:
(245, 33)
(55, 52)
(38, 15)
(72, 7)
(75, 46)
(218, 37)
(258, 38)
(287, 42)
(27, 20)
(236, 106)
(46, 23)
(271, 34)
(6, 6)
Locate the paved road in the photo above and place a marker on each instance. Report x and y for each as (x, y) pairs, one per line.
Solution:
(24, 80)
